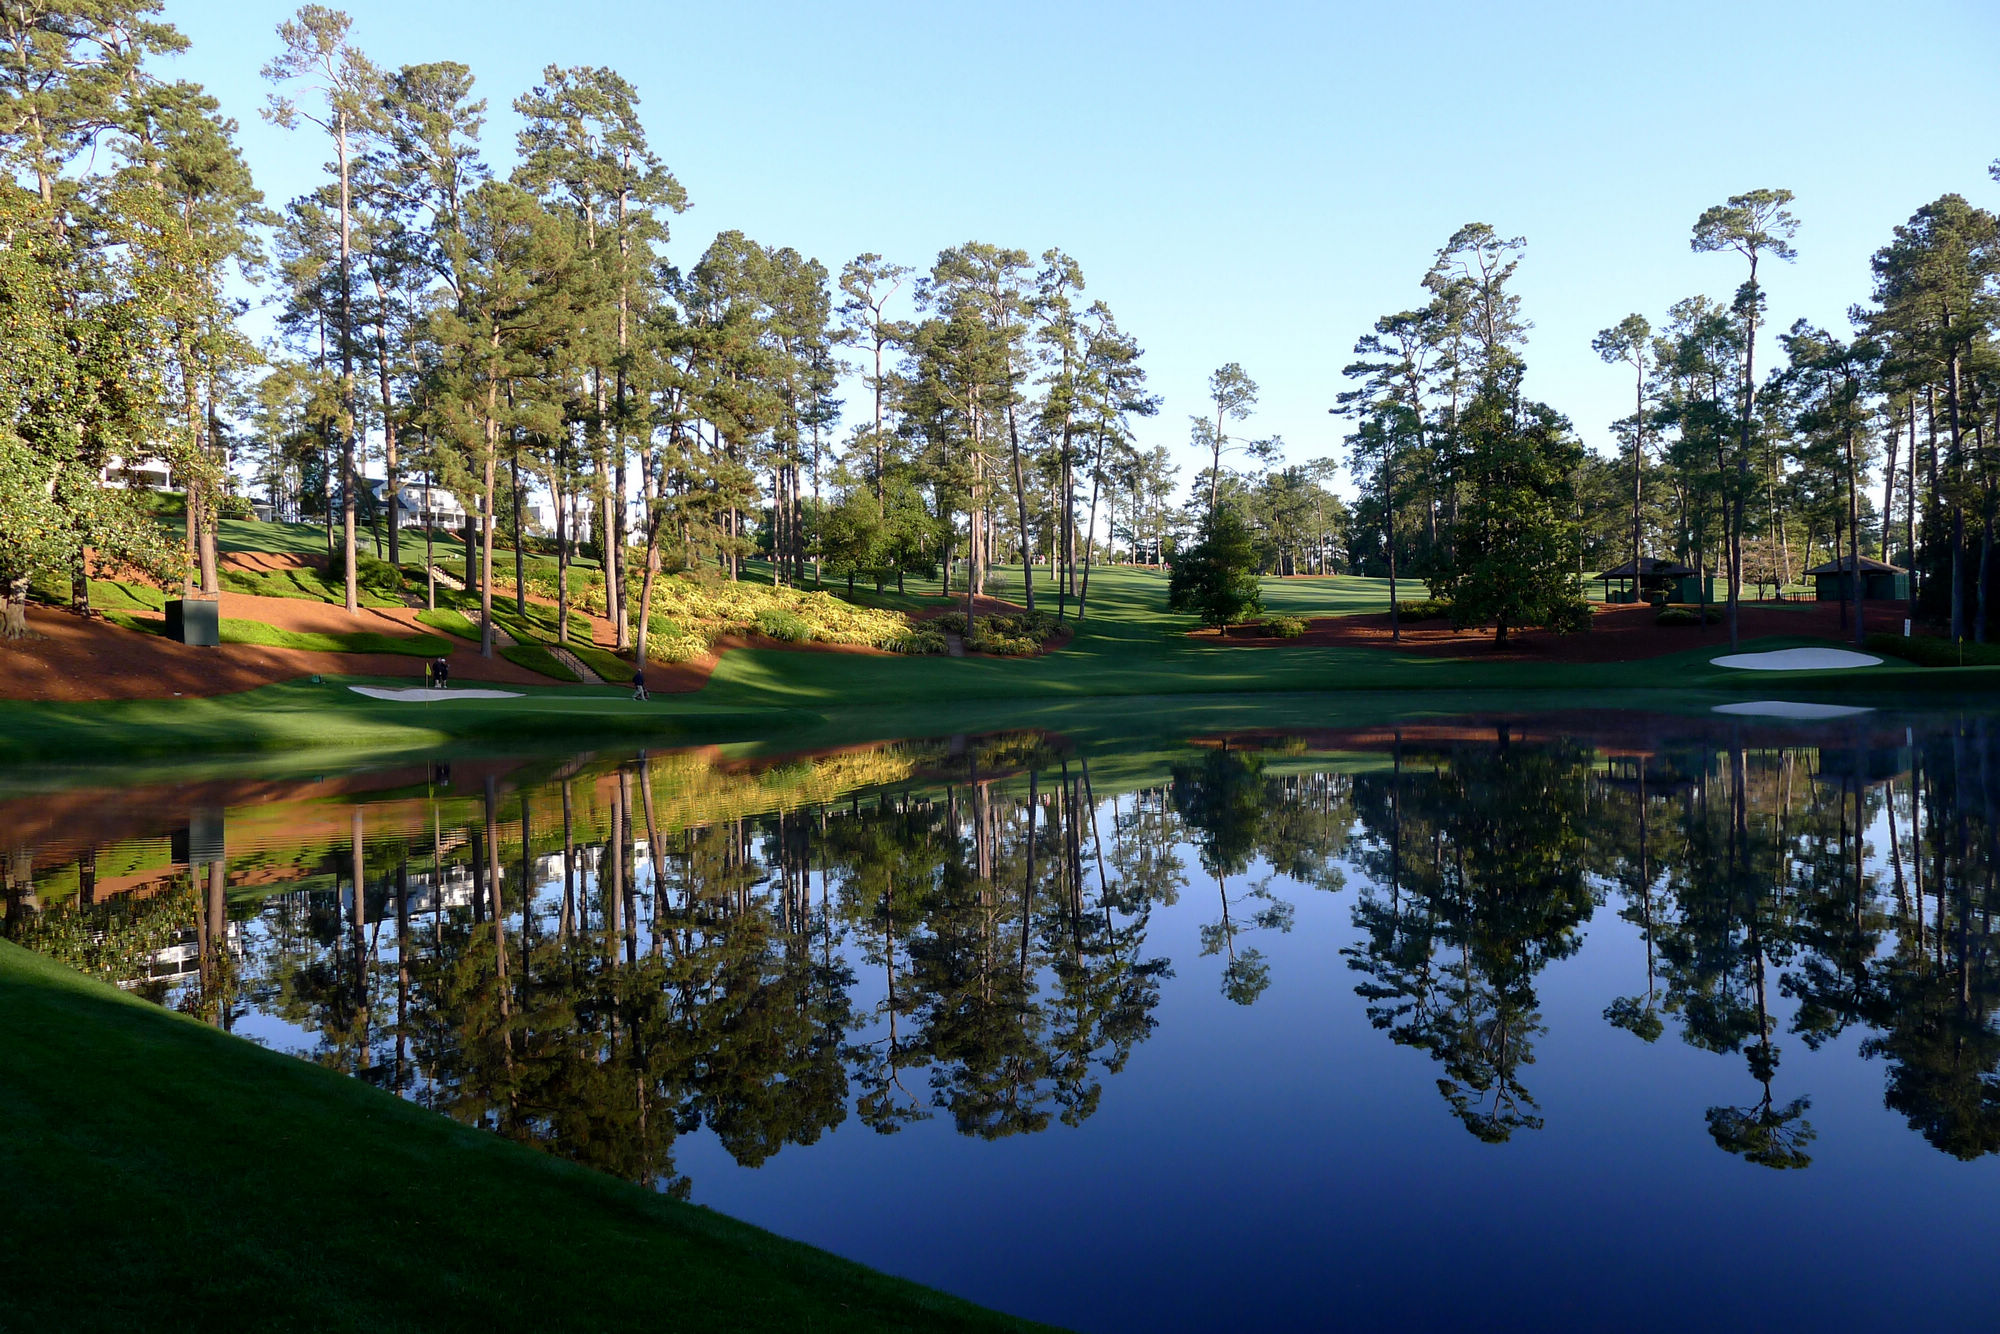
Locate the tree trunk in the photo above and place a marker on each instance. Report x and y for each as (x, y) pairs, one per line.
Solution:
(1020, 506)
(486, 522)
(1958, 573)
(1985, 565)
(520, 561)
(1910, 517)
(560, 502)
(14, 609)
(1389, 541)
(430, 553)
(1889, 494)
(389, 462)
(646, 491)
(1857, 584)
(347, 398)
(1096, 480)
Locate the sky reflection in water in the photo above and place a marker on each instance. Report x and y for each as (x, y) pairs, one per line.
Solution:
(1609, 1023)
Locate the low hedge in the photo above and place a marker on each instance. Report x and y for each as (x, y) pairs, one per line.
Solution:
(1018, 635)
(920, 640)
(1686, 616)
(1423, 609)
(1286, 627)
(1934, 651)
(783, 625)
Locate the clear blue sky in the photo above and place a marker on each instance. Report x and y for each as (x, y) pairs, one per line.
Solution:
(1250, 182)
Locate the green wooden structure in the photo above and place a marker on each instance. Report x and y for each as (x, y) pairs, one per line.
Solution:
(1650, 578)
(1880, 582)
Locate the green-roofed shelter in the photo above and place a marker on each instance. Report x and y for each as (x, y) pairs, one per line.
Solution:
(1650, 577)
(1880, 582)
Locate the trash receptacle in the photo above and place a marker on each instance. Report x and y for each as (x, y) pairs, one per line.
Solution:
(194, 621)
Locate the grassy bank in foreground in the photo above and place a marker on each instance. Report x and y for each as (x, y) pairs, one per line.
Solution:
(158, 1173)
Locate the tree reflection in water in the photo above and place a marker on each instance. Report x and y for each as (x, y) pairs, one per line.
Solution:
(601, 957)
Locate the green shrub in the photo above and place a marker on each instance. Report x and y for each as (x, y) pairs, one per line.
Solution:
(785, 626)
(1423, 609)
(1018, 635)
(1686, 616)
(377, 576)
(919, 640)
(1934, 651)
(1286, 627)
(1569, 618)
(537, 658)
(235, 507)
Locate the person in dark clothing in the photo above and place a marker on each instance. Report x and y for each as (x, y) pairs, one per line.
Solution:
(441, 673)
(639, 685)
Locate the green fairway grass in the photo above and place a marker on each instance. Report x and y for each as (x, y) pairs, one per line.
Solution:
(235, 631)
(1130, 648)
(157, 1173)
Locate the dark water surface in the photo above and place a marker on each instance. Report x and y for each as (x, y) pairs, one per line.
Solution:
(1603, 1021)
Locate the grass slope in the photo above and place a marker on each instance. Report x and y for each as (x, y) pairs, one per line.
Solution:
(1131, 649)
(158, 1173)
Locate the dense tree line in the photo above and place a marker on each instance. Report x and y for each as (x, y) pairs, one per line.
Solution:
(449, 323)
(1748, 475)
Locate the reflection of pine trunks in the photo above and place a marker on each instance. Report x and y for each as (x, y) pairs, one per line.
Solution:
(402, 972)
(612, 889)
(1765, 876)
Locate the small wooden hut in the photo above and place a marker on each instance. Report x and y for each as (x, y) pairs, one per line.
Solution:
(1880, 582)
(1651, 576)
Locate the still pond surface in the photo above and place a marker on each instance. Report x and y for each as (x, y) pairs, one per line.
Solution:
(1524, 1023)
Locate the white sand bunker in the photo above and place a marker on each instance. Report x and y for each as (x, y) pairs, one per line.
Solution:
(1784, 708)
(424, 694)
(1797, 660)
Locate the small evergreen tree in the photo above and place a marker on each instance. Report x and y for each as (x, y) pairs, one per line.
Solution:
(1216, 578)
(1516, 541)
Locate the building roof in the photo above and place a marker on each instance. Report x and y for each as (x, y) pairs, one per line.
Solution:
(1869, 565)
(1650, 567)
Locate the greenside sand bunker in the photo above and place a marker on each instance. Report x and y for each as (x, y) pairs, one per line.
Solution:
(425, 694)
(1797, 660)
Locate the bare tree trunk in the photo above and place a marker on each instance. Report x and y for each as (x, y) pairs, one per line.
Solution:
(486, 519)
(14, 610)
(389, 462)
(1096, 480)
(1889, 493)
(561, 503)
(652, 571)
(520, 561)
(1020, 506)
(1857, 582)
(349, 405)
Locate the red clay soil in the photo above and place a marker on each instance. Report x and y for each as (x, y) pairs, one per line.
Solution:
(71, 657)
(1619, 633)
(76, 658)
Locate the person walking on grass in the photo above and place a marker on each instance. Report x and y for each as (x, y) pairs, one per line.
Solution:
(441, 673)
(639, 694)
